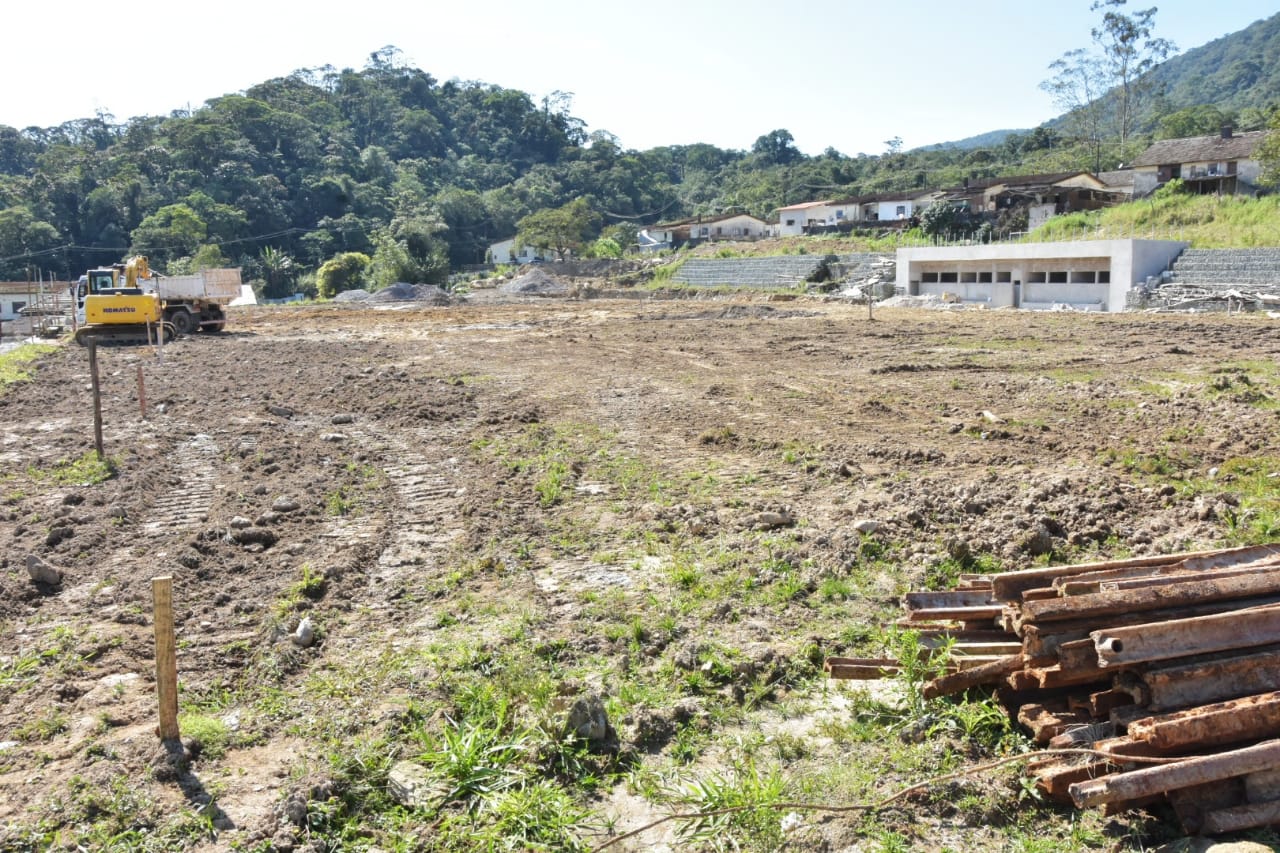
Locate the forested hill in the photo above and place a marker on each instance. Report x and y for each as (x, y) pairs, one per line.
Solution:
(423, 176)
(1236, 72)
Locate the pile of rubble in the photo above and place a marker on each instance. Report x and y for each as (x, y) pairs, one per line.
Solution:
(1166, 667)
(535, 282)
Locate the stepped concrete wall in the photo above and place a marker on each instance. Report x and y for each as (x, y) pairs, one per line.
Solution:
(1251, 267)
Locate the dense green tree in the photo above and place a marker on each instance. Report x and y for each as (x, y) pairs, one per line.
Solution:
(777, 146)
(1268, 154)
(279, 272)
(562, 230)
(23, 239)
(342, 272)
(1200, 120)
(171, 232)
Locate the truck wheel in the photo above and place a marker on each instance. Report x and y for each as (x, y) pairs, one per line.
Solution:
(183, 322)
(219, 320)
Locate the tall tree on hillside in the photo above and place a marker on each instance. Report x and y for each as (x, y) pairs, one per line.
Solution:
(1129, 52)
(1076, 87)
(777, 146)
(1268, 154)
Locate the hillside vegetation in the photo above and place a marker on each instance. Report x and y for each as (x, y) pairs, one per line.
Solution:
(1206, 222)
(418, 177)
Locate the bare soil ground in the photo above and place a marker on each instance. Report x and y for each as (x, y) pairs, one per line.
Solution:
(657, 499)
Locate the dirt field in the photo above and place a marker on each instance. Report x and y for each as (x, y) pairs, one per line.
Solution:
(678, 506)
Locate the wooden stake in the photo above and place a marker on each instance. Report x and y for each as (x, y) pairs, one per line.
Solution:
(97, 398)
(166, 657)
(142, 393)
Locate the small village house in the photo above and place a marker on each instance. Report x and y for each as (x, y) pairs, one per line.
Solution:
(1222, 164)
(1043, 196)
(729, 226)
(504, 252)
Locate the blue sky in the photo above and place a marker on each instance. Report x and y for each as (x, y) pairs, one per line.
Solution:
(847, 74)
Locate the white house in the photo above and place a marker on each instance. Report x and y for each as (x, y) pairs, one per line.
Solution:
(503, 252)
(888, 206)
(14, 296)
(1222, 164)
(795, 219)
(728, 226)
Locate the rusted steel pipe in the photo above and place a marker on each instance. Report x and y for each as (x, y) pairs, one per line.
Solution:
(1180, 686)
(1010, 585)
(1103, 604)
(1250, 718)
(1182, 774)
(1178, 638)
(987, 673)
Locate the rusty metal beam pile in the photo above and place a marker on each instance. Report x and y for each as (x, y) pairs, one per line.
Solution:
(1174, 658)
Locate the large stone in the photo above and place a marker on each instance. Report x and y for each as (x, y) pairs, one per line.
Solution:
(588, 720)
(411, 785)
(305, 634)
(42, 571)
(1038, 541)
(771, 520)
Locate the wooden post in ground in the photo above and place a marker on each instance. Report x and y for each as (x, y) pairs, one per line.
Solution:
(166, 657)
(142, 393)
(97, 398)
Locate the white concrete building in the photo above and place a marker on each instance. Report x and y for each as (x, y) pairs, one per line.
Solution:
(1090, 275)
(503, 252)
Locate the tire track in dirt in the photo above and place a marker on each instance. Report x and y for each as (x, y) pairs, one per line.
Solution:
(424, 478)
(188, 502)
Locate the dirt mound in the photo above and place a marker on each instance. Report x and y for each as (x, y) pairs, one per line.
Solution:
(356, 295)
(736, 312)
(402, 292)
(536, 283)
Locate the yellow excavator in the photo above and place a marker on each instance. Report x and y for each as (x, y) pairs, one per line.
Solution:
(115, 307)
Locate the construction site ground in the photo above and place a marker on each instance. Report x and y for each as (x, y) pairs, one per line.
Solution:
(679, 506)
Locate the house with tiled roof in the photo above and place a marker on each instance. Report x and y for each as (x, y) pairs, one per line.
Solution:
(1222, 164)
(1044, 195)
(726, 226)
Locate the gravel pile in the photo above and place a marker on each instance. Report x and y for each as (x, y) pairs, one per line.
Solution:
(352, 296)
(401, 292)
(536, 283)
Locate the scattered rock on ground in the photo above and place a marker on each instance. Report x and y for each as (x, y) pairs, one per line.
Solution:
(42, 571)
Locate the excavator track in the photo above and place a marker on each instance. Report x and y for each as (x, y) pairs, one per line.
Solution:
(128, 334)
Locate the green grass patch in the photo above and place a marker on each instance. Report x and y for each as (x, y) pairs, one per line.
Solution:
(85, 470)
(18, 365)
(1205, 221)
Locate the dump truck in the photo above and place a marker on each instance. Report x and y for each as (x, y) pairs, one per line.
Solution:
(116, 302)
